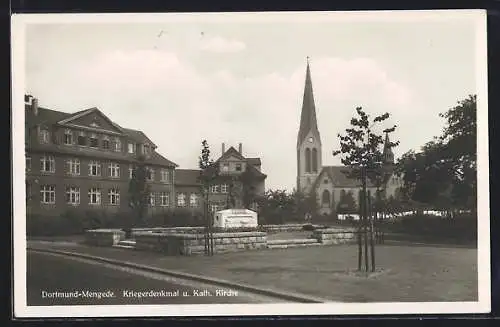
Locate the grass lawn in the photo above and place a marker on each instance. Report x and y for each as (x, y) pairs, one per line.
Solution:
(408, 273)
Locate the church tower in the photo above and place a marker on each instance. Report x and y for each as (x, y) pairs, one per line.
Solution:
(387, 153)
(308, 140)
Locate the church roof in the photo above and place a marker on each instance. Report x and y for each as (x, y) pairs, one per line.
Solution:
(308, 120)
(340, 176)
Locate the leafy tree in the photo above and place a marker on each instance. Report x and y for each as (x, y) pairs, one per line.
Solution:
(139, 191)
(443, 174)
(249, 194)
(275, 205)
(360, 149)
(460, 149)
(347, 204)
(304, 203)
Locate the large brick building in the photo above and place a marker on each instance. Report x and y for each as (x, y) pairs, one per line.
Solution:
(84, 161)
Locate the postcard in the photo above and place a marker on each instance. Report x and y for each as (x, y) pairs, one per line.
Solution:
(248, 164)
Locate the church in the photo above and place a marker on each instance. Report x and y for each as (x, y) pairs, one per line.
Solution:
(330, 183)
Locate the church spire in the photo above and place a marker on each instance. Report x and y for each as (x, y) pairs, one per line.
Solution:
(308, 121)
(388, 154)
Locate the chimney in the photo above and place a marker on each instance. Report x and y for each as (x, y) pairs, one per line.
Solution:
(34, 106)
(240, 149)
(223, 148)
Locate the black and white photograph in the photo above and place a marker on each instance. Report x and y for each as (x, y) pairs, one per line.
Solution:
(265, 163)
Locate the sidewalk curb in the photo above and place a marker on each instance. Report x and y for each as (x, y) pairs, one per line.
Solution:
(181, 275)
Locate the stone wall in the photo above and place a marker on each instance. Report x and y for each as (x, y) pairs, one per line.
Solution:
(335, 235)
(194, 243)
(282, 228)
(104, 237)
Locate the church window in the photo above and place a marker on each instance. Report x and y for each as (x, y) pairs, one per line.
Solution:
(314, 160)
(308, 160)
(325, 199)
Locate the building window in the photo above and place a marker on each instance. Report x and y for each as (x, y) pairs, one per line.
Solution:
(82, 141)
(164, 199)
(314, 160)
(73, 166)
(325, 181)
(114, 170)
(181, 200)
(150, 174)
(94, 142)
(44, 136)
(94, 168)
(164, 175)
(131, 171)
(95, 196)
(105, 144)
(73, 195)
(308, 160)
(68, 137)
(214, 189)
(225, 167)
(145, 149)
(47, 164)
(238, 167)
(118, 145)
(114, 196)
(151, 199)
(223, 188)
(131, 148)
(193, 200)
(48, 194)
(28, 163)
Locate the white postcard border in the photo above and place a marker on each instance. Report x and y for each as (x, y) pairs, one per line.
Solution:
(18, 169)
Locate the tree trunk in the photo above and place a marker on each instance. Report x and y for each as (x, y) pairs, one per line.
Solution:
(360, 228)
(365, 218)
(372, 245)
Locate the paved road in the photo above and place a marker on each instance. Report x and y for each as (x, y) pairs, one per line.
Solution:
(84, 282)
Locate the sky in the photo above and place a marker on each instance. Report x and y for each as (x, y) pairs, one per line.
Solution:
(241, 80)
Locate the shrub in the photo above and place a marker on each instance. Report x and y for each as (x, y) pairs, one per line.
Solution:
(462, 227)
(176, 218)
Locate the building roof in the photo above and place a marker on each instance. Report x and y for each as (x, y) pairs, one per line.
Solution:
(50, 117)
(138, 136)
(308, 121)
(155, 158)
(187, 177)
(231, 152)
(255, 172)
(254, 161)
(47, 116)
(340, 176)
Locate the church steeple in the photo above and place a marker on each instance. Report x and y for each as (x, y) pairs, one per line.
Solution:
(388, 154)
(308, 139)
(308, 122)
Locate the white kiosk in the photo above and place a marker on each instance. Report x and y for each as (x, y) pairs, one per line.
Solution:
(235, 218)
